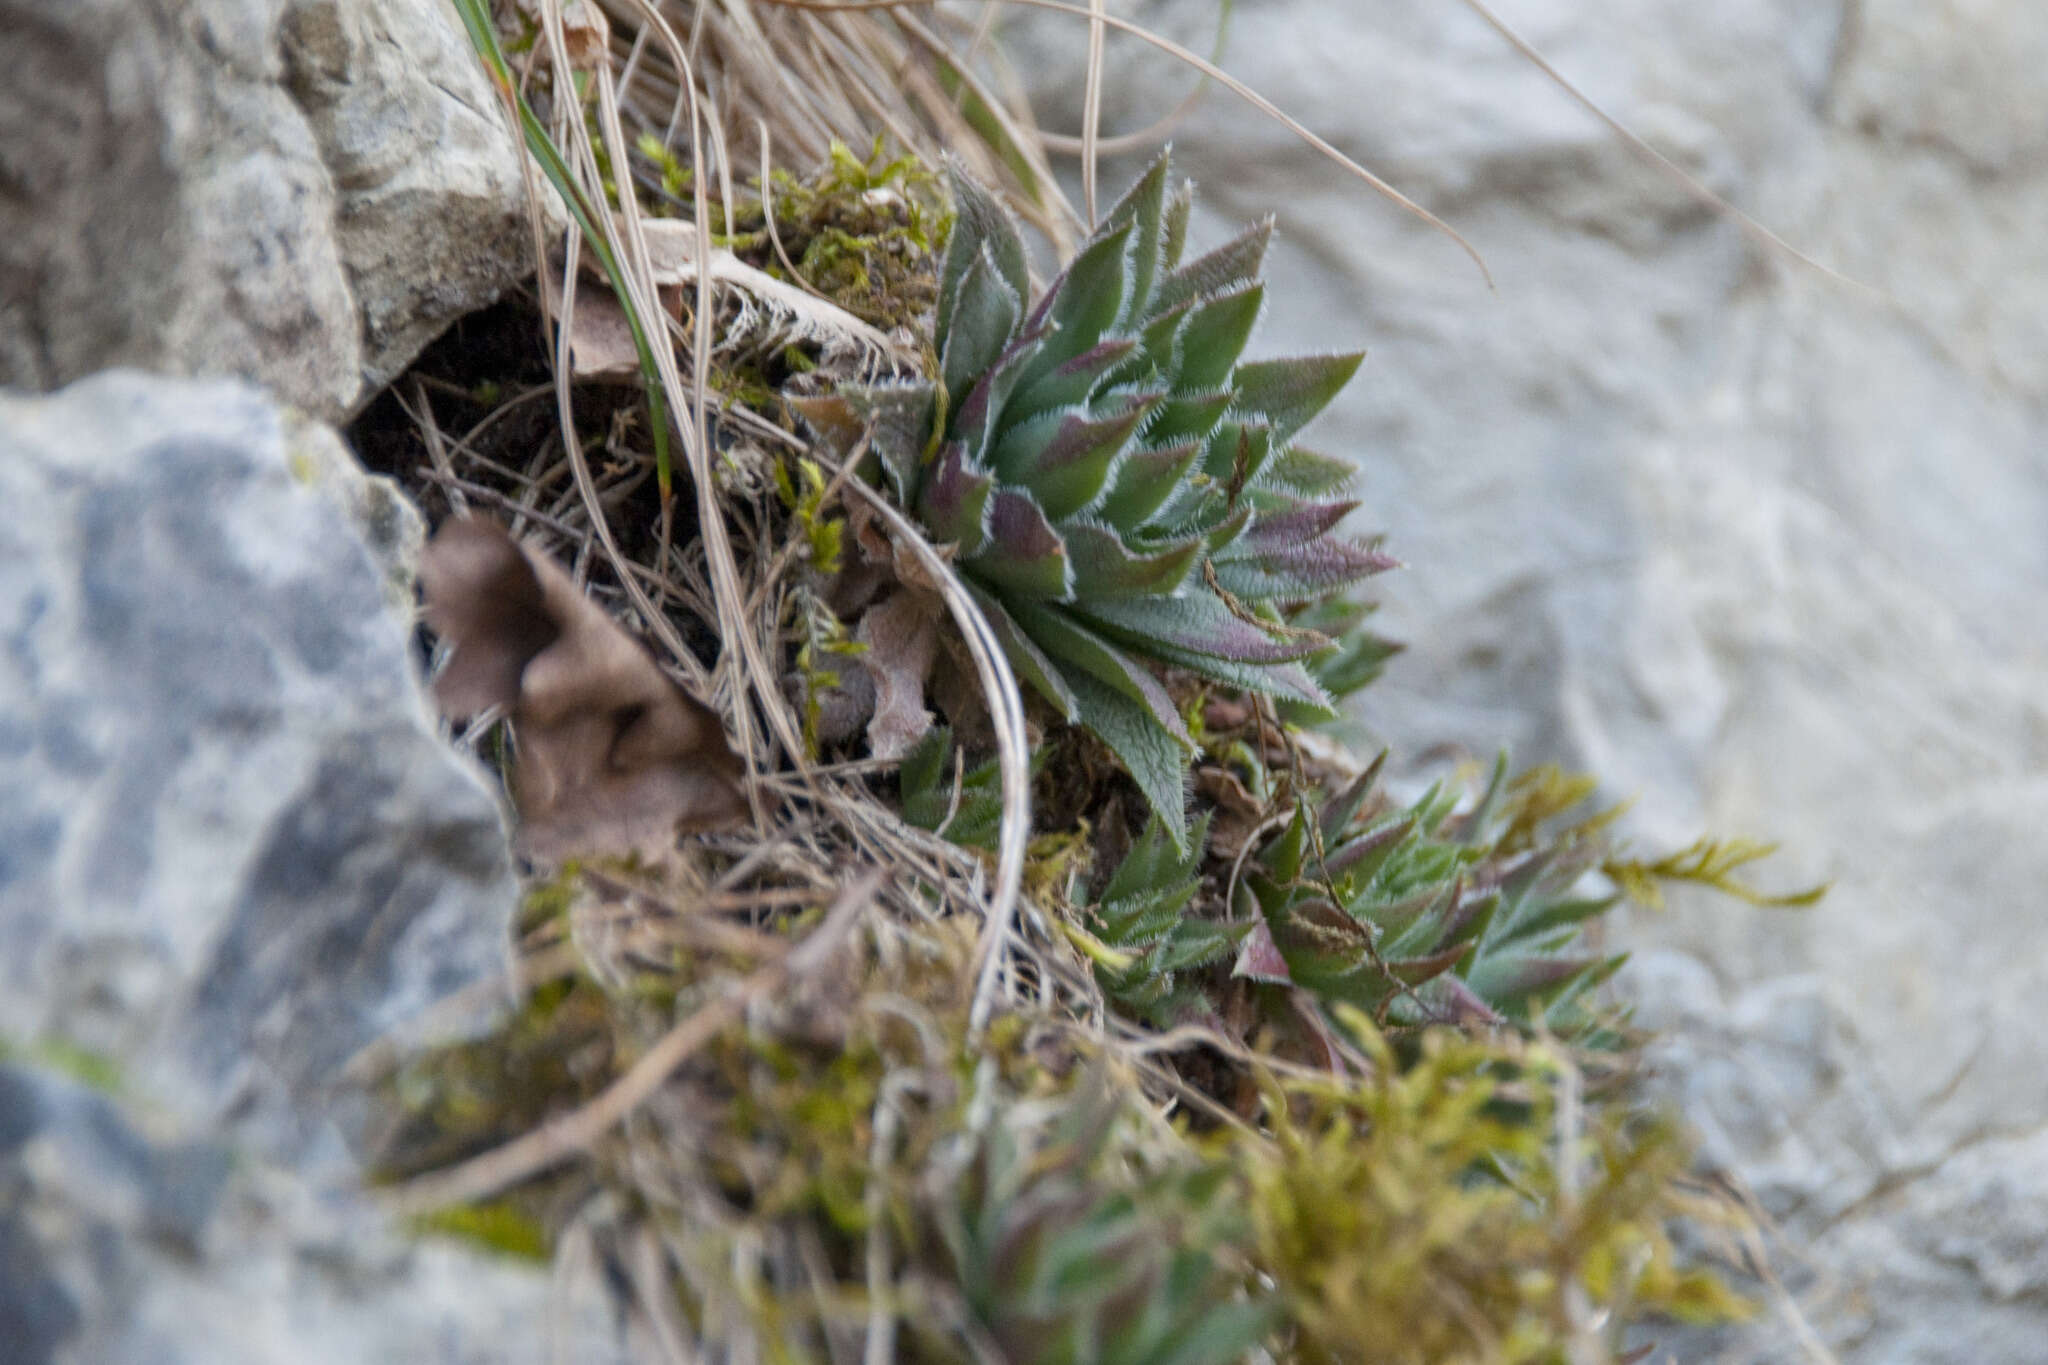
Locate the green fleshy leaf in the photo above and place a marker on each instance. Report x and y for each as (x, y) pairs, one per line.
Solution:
(1084, 302)
(1234, 263)
(1071, 643)
(1289, 393)
(1289, 682)
(954, 501)
(1187, 417)
(1215, 336)
(1065, 458)
(1073, 382)
(976, 420)
(1023, 553)
(980, 224)
(1311, 474)
(983, 323)
(1027, 658)
(1153, 862)
(1106, 566)
(1197, 622)
(1173, 228)
(1154, 758)
(1237, 453)
(1144, 481)
(1143, 209)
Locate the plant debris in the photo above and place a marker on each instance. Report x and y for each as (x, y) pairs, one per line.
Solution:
(612, 755)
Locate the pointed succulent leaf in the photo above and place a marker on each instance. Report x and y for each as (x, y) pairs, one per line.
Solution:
(1065, 458)
(1260, 959)
(1078, 648)
(1214, 337)
(1155, 759)
(1563, 1004)
(1028, 659)
(1085, 302)
(1359, 859)
(1143, 209)
(1340, 810)
(1187, 417)
(1311, 474)
(981, 225)
(1072, 382)
(1023, 554)
(1173, 226)
(1107, 565)
(1413, 971)
(1289, 393)
(954, 501)
(1289, 556)
(976, 419)
(1238, 451)
(1234, 263)
(1194, 623)
(1155, 860)
(1288, 682)
(1143, 481)
(984, 319)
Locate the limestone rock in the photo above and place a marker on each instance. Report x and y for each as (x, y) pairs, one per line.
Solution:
(232, 850)
(298, 192)
(127, 1244)
(1763, 549)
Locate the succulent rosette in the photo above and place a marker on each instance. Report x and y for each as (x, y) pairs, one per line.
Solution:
(1122, 491)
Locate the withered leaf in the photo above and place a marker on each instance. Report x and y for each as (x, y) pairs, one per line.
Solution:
(901, 635)
(612, 756)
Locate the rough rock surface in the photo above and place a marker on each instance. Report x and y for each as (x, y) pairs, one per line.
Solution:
(232, 850)
(1765, 550)
(124, 1244)
(232, 854)
(297, 192)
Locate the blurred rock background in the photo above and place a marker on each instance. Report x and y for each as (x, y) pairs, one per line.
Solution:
(1766, 551)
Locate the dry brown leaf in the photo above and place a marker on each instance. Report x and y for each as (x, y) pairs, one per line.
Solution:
(612, 755)
(601, 345)
(901, 635)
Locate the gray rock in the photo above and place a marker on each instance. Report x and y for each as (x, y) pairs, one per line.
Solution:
(1765, 550)
(297, 192)
(232, 850)
(122, 1243)
(233, 853)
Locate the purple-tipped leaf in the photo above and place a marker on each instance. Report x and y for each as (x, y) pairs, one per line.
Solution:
(954, 501)
(1197, 622)
(976, 419)
(1105, 566)
(1074, 646)
(1073, 382)
(1234, 263)
(1085, 301)
(1023, 554)
(1065, 458)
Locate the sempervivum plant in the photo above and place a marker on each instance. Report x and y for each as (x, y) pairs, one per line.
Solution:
(1425, 915)
(1123, 494)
